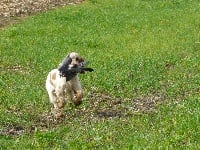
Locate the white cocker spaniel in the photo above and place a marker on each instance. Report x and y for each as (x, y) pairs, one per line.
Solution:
(64, 81)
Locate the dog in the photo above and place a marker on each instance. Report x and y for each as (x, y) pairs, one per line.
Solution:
(60, 85)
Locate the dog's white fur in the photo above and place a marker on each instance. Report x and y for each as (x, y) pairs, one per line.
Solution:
(58, 88)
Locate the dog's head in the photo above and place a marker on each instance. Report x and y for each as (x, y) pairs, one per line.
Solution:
(76, 60)
(71, 62)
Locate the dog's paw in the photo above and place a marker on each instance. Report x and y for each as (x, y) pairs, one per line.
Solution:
(57, 113)
(77, 102)
(61, 103)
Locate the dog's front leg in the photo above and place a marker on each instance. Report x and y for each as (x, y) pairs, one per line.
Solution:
(78, 97)
(76, 87)
(60, 93)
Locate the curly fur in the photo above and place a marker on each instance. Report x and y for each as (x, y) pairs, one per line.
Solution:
(59, 87)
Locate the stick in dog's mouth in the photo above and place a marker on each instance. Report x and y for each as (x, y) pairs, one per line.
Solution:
(69, 72)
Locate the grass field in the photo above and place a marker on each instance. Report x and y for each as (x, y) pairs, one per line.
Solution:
(144, 93)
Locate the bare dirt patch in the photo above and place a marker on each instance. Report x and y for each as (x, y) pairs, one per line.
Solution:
(12, 129)
(101, 106)
(15, 10)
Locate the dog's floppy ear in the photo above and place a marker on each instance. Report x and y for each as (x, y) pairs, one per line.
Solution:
(67, 60)
(65, 64)
(81, 59)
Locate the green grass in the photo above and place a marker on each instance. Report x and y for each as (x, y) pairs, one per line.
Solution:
(142, 51)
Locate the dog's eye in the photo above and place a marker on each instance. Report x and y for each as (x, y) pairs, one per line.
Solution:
(81, 59)
(77, 59)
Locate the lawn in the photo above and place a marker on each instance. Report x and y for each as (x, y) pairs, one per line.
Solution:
(143, 94)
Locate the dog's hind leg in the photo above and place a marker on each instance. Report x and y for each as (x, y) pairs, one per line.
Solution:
(53, 98)
(51, 91)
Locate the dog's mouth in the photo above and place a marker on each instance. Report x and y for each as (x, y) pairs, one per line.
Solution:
(73, 66)
(77, 66)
